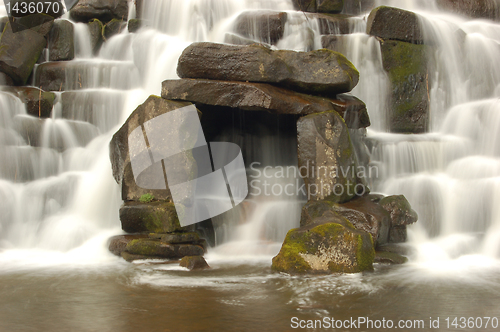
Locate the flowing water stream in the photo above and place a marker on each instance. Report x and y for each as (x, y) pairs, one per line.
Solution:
(59, 202)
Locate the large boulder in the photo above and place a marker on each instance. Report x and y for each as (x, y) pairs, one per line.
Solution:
(327, 159)
(488, 9)
(264, 26)
(395, 24)
(119, 149)
(407, 66)
(61, 41)
(264, 97)
(317, 72)
(19, 52)
(325, 247)
(155, 217)
(104, 10)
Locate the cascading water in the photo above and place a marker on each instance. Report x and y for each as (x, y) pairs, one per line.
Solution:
(63, 170)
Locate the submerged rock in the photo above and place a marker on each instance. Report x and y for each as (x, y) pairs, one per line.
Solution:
(264, 26)
(407, 65)
(134, 25)
(114, 27)
(327, 160)
(325, 247)
(395, 24)
(19, 52)
(194, 263)
(104, 10)
(61, 41)
(264, 97)
(358, 7)
(155, 217)
(385, 257)
(318, 72)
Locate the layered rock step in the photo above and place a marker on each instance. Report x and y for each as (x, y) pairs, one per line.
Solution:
(317, 72)
(264, 97)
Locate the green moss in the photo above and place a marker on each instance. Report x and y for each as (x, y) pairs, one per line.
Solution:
(289, 260)
(142, 247)
(366, 252)
(146, 198)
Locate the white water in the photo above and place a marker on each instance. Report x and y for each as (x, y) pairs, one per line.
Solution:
(59, 202)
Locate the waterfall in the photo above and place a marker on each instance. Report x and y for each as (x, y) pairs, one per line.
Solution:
(57, 194)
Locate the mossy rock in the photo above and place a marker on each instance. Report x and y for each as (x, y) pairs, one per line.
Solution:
(400, 210)
(324, 247)
(114, 27)
(155, 217)
(156, 248)
(96, 29)
(134, 25)
(406, 64)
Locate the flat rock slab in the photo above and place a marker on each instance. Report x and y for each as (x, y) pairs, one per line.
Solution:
(157, 248)
(316, 72)
(395, 24)
(264, 97)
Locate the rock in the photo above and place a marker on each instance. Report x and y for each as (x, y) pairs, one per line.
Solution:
(389, 258)
(263, 26)
(321, 71)
(156, 248)
(118, 244)
(156, 217)
(19, 52)
(194, 263)
(329, 6)
(175, 238)
(55, 9)
(61, 41)
(327, 160)
(119, 149)
(51, 76)
(104, 10)
(395, 24)
(264, 97)
(361, 212)
(488, 9)
(114, 27)
(398, 234)
(325, 247)
(319, 6)
(134, 25)
(332, 24)
(3, 22)
(400, 210)
(357, 7)
(406, 65)
(38, 103)
(130, 257)
(305, 5)
(96, 29)
(39, 23)
(367, 216)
